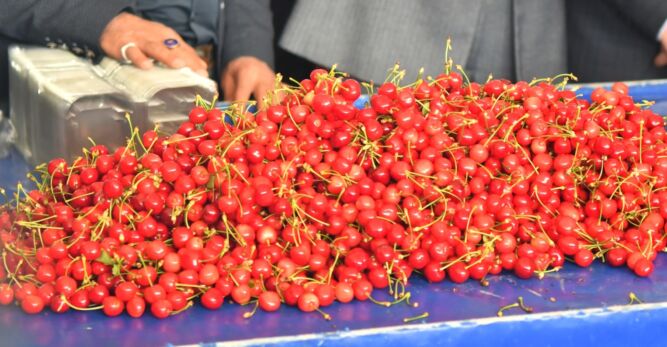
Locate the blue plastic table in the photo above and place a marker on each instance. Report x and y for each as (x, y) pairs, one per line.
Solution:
(571, 307)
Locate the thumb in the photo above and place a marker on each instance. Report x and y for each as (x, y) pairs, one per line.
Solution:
(228, 85)
(661, 59)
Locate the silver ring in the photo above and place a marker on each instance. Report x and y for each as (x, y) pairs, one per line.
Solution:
(123, 51)
(171, 43)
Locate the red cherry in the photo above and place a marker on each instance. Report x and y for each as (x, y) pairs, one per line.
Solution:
(161, 309)
(112, 306)
(269, 301)
(212, 299)
(32, 304)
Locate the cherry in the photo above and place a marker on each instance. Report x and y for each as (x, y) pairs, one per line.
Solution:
(171, 171)
(198, 115)
(344, 292)
(154, 293)
(458, 273)
(308, 302)
(269, 301)
(241, 294)
(97, 294)
(161, 309)
(112, 188)
(643, 267)
(524, 268)
(178, 299)
(58, 304)
(112, 306)
(212, 299)
(32, 304)
(6, 294)
(135, 307)
(126, 291)
(434, 273)
(584, 257)
(65, 286)
(326, 294)
(616, 256)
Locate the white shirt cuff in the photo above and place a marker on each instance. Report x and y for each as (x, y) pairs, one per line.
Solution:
(662, 29)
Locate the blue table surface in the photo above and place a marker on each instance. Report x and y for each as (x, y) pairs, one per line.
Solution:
(574, 306)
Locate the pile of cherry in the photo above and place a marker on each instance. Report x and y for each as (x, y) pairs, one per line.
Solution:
(313, 201)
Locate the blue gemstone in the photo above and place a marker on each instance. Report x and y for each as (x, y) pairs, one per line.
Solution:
(171, 43)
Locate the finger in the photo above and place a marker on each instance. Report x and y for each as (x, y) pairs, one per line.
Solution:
(661, 59)
(197, 62)
(138, 58)
(164, 55)
(178, 57)
(244, 88)
(228, 86)
(260, 91)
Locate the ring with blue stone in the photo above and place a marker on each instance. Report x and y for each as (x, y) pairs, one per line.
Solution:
(171, 43)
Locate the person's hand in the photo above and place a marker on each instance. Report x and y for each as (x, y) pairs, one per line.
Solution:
(245, 76)
(148, 38)
(661, 58)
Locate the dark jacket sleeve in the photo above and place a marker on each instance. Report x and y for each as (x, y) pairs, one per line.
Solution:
(647, 15)
(248, 31)
(76, 23)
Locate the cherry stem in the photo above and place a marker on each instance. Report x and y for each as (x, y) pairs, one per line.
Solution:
(634, 299)
(94, 308)
(412, 319)
(325, 315)
(520, 304)
(249, 314)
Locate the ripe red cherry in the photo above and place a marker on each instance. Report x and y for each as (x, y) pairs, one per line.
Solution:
(584, 257)
(58, 304)
(308, 302)
(154, 293)
(212, 299)
(616, 256)
(57, 167)
(434, 273)
(6, 294)
(136, 307)
(112, 306)
(171, 171)
(350, 89)
(32, 304)
(458, 273)
(128, 164)
(524, 268)
(198, 115)
(66, 286)
(241, 294)
(344, 292)
(643, 267)
(208, 274)
(569, 245)
(269, 301)
(126, 291)
(161, 309)
(113, 188)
